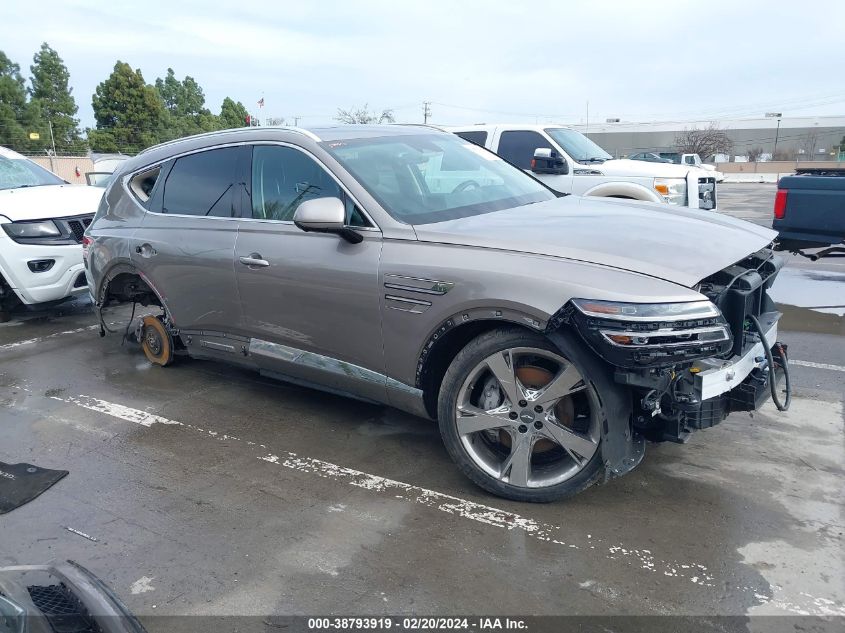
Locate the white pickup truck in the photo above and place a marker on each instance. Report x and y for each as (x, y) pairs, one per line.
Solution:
(569, 162)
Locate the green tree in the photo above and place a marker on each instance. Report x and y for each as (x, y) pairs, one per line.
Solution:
(129, 113)
(232, 114)
(12, 104)
(18, 117)
(184, 102)
(52, 96)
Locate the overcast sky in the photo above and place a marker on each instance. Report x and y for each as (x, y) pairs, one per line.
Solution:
(475, 61)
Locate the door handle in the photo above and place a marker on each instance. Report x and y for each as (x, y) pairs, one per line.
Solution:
(254, 260)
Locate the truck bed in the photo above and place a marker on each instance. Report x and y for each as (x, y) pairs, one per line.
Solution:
(813, 212)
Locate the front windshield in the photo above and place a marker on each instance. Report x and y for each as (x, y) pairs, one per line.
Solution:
(578, 146)
(18, 172)
(425, 178)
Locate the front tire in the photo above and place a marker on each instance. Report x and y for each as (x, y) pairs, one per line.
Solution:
(521, 417)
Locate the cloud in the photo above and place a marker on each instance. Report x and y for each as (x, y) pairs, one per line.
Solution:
(495, 60)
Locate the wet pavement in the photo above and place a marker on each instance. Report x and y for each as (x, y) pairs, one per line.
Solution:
(211, 490)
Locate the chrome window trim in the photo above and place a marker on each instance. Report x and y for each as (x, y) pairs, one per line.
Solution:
(124, 181)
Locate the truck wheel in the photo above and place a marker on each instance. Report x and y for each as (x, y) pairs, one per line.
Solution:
(520, 417)
(156, 341)
(5, 317)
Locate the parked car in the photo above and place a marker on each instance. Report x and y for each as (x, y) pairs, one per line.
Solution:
(649, 157)
(548, 334)
(569, 162)
(693, 160)
(809, 212)
(43, 219)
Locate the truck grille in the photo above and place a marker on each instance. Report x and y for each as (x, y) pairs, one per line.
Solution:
(707, 193)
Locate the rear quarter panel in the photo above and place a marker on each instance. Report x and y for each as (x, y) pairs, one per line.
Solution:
(117, 219)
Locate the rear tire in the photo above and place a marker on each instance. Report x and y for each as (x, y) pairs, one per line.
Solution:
(544, 446)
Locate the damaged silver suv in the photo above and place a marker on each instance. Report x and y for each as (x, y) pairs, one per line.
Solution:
(548, 335)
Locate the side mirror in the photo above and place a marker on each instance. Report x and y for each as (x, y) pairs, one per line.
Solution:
(548, 161)
(325, 215)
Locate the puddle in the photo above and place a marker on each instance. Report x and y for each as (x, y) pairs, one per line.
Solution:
(798, 319)
(818, 290)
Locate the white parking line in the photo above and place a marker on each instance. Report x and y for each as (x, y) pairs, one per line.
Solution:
(643, 558)
(807, 363)
(38, 339)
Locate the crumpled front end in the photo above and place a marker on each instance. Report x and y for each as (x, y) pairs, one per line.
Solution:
(689, 365)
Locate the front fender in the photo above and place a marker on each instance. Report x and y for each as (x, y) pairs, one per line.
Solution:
(621, 447)
(623, 189)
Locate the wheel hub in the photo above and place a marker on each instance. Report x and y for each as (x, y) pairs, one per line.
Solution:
(153, 341)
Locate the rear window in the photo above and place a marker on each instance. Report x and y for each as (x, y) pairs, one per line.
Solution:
(479, 137)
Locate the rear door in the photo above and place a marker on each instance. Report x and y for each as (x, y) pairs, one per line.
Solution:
(311, 307)
(185, 245)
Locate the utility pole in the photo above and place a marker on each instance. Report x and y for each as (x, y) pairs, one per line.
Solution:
(426, 111)
(52, 140)
(296, 121)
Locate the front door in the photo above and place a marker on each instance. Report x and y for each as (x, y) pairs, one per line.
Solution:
(518, 147)
(310, 301)
(186, 241)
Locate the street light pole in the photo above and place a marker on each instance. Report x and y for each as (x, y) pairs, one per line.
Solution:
(777, 130)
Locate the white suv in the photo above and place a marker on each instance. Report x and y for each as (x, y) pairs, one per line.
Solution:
(569, 162)
(42, 220)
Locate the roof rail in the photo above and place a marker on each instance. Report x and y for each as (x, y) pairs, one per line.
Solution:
(290, 128)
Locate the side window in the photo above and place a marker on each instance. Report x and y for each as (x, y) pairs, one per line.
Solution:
(690, 160)
(284, 177)
(518, 146)
(142, 184)
(479, 137)
(201, 184)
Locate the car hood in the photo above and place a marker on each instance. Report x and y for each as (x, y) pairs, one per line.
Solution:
(49, 201)
(678, 245)
(626, 167)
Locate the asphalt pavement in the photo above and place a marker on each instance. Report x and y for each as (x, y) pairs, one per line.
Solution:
(208, 490)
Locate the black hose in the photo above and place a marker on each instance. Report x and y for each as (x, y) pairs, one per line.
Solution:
(129, 325)
(772, 373)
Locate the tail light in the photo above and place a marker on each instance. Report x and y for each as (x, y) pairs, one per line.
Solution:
(86, 242)
(780, 204)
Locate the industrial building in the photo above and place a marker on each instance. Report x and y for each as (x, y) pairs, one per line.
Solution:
(796, 138)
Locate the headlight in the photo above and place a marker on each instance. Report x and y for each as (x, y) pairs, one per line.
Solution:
(39, 228)
(673, 190)
(652, 334)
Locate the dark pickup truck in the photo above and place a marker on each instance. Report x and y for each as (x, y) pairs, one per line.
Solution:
(810, 213)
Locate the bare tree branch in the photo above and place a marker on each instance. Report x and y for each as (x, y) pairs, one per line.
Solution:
(363, 115)
(707, 142)
(754, 154)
